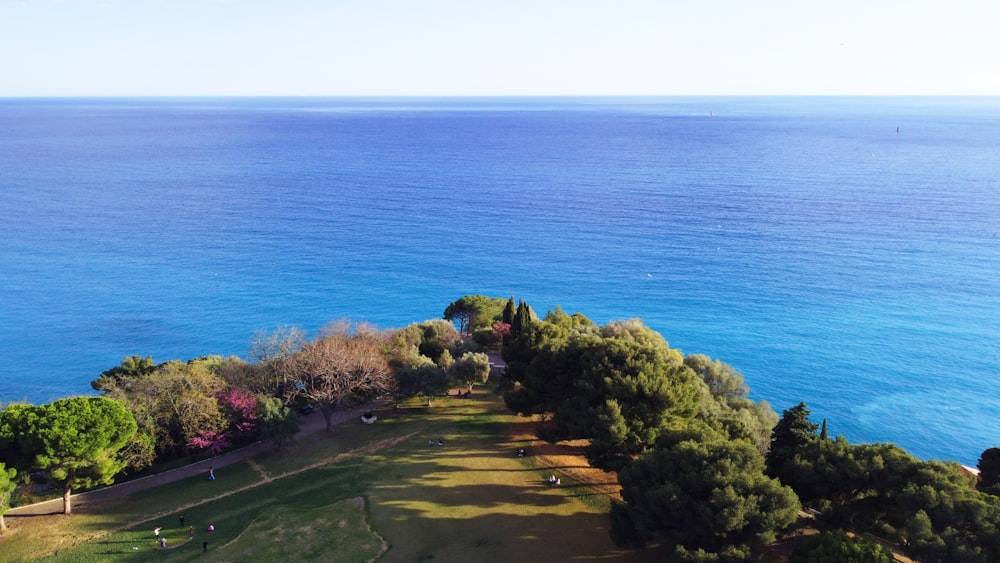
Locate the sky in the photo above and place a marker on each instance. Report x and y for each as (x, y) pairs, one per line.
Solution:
(498, 47)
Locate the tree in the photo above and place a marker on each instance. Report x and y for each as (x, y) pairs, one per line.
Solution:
(177, 404)
(269, 350)
(837, 547)
(793, 431)
(474, 312)
(17, 446)
(524, 316)
(507, 316)
(79, 440)
(710, 500)
(336, 369)
(989, 471)
(7, 486)
(470, 368)
(621, 386)
(276, 422)
(131, 368)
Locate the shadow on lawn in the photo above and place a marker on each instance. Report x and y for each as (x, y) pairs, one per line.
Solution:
(477, 496)
(508, 537)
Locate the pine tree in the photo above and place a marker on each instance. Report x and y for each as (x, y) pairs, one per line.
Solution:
(792, 432)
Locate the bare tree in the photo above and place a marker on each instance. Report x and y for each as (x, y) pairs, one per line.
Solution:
(271, 351)
(337, 368)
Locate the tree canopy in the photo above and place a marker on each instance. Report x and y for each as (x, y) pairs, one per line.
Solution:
(79, 439)
(621, 386)
(7, 485)
(336, 369)
(989, 471)
(474, 312)
(710, 500)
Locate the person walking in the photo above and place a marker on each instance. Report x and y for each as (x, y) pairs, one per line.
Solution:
(211, 473)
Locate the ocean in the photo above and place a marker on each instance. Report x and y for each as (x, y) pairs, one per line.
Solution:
(827, 255)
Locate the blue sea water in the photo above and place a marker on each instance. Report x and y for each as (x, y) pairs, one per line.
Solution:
(828, 257)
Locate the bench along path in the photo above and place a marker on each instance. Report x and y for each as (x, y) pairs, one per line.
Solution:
(309, 424)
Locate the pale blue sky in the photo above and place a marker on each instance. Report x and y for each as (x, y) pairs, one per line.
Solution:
(501, 47)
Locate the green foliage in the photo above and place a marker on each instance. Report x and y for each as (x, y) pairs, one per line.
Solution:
(276, 422)
(428, 339)
(709, 499)
(723, 381)
(17, 445)
(524, 317)
(620, 385)
(7, 486)
(131, 368)
(727, 408)
(839, 547)
(423, 379)
(176, 401)
(79, 440)
(989, 471)
(793, 431)
(471, 368)
(475, 312)
(931, 507)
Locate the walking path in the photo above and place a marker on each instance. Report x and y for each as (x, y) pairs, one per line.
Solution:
(309, 424)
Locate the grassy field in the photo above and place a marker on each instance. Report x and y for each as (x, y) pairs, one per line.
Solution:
(360, 493)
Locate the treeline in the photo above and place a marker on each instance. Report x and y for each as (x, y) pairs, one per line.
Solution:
(703, 468)
(708, 472)
(148, 412)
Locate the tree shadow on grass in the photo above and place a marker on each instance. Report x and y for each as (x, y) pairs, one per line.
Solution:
(414, 536)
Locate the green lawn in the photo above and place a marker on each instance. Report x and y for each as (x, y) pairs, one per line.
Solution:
(388, 492)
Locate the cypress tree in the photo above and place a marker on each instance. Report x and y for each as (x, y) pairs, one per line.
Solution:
(509, 311)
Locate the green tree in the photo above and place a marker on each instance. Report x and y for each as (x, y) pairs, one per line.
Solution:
(475, 312)
(17, 445)
(177, 402)
(839, 547)
(792, 433)
(275, 421)
(131, 368)
(79, 440)
(710, 500)
(621, 386)
(727, 408)
(7, 486)
(524, 316)
(723, 381)
(989, 471)
(470, 368)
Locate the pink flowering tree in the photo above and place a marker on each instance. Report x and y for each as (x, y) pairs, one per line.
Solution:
(240, 408)
(213, 441)
(499, 334)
